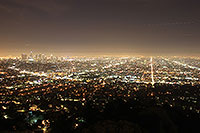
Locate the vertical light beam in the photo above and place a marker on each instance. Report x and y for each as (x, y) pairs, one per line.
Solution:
(152, 82)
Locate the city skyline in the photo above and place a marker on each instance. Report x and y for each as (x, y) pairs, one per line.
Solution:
(100, 66)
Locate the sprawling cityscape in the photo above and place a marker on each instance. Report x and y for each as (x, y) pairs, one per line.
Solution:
(99, 66)
(50, 93)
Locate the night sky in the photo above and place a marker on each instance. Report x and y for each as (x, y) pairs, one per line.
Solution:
(83, 27)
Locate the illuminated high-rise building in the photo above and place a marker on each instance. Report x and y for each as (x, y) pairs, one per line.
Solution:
(31, 55)
(24, 56)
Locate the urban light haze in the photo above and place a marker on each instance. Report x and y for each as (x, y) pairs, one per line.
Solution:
(98, 27)
(100, 66)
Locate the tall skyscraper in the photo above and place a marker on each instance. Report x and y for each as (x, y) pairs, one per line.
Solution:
(31, 55)
(24, 56)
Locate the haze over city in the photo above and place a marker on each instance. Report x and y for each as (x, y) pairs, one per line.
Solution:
(100, 66)
(73, 27)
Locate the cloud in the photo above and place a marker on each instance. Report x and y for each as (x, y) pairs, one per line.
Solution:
(5, 8)
(49, 6)
(46, 6)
